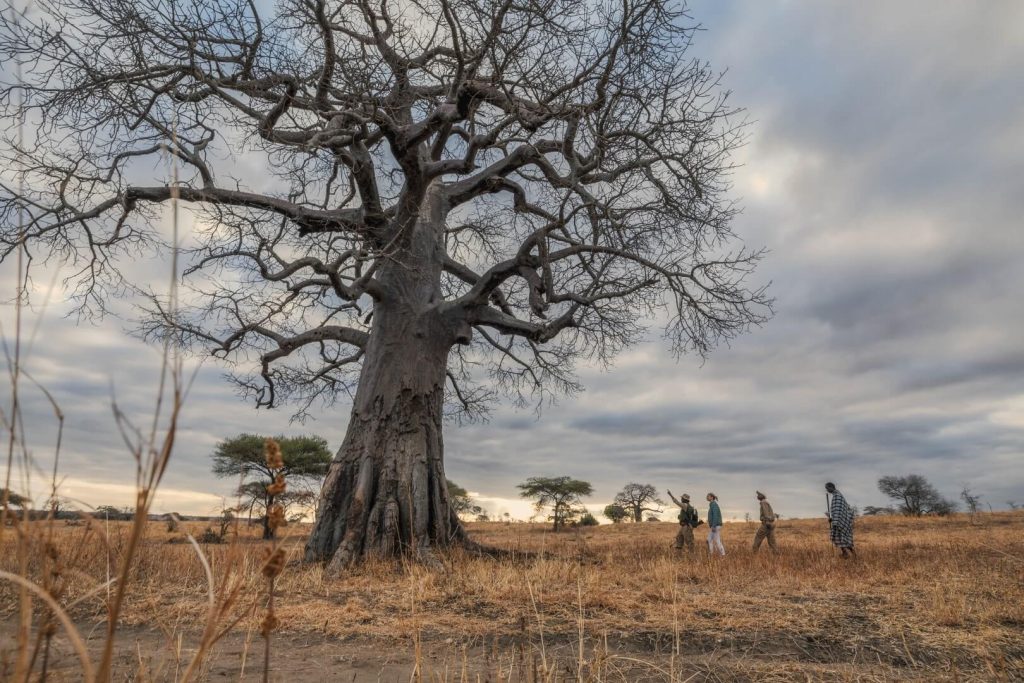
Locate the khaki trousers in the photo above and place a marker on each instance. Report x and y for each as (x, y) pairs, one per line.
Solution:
(764, 532)
(684, 539)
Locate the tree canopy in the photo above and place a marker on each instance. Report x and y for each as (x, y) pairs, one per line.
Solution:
(915, 495)
(638, 499)
(562, 494)
(14, 499)
(243, 455)
(616, 513)
(575, 157)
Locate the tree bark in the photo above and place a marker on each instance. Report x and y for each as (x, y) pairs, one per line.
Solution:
(268, 533)
(385, 493)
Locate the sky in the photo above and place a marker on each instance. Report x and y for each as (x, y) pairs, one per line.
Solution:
(884, 172)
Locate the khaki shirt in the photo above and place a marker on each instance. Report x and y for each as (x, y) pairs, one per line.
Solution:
(767, 514)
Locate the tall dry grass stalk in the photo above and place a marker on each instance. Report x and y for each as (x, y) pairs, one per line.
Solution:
(274, 556)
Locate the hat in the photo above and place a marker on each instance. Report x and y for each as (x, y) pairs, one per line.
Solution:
(686, 497)
(760, 495)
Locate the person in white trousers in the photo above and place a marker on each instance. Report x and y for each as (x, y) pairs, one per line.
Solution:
(714, 526)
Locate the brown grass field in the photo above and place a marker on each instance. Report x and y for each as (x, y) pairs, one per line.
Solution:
(927, 599)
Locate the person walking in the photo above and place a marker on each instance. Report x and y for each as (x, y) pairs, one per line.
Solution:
(714, 526)
(767, 529)
(688, 521)
(840, 518)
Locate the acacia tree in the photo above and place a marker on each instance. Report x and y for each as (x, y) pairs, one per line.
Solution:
(452, 185)
(13, 499)
(562, 494)
(306, 460)
(915, 495)
(638, 499)
(971, 499)
(462, 503)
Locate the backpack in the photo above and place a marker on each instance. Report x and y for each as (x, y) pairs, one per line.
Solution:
(689, 516)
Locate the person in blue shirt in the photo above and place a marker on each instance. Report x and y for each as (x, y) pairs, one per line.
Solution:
(715, 526)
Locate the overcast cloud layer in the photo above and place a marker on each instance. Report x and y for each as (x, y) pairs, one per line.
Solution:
(884, 171)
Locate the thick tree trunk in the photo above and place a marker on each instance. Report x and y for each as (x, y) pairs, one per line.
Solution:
(385, 493)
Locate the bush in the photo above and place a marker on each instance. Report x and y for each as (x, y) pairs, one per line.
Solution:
(588, 520)
(210, 536)
(616, 513)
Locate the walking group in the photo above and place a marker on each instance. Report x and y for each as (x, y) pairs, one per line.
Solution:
(838, 511)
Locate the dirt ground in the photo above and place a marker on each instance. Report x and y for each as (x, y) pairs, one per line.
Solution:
(148, 655)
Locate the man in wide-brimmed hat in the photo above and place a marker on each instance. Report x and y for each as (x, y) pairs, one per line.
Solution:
(688, 520)
(767, 529)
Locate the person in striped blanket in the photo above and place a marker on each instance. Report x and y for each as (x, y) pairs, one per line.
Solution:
(840, 517)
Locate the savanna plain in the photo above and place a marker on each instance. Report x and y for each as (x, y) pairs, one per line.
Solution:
(926, 599)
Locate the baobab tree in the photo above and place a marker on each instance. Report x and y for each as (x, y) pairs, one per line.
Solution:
(397, 203)
(638, 499)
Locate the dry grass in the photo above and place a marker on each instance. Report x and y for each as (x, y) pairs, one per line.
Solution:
(927, 599)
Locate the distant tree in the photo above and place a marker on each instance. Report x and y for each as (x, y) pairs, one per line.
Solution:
(875, 510)
(1013, 505)
(226, 519)
(483, 517)
(587, 520)
(305, 459)
(562, 494)
(971, 500)
(461, 502)
(638, 499)
(14, 500)
(616, 513)
(915, 495)
(114, 513)
(60, 507)
(942, 507)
